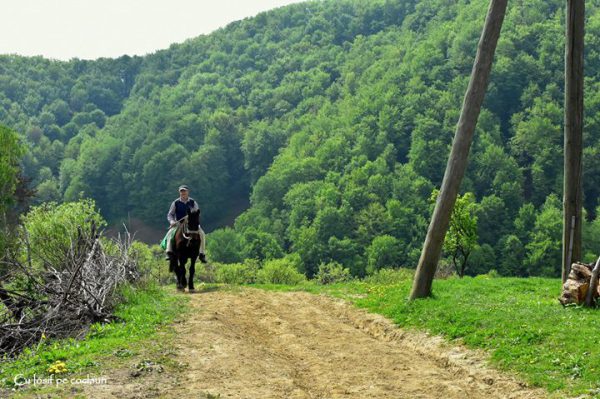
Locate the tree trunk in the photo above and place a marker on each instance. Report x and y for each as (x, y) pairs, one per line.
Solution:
(457, 162)
(573, 192)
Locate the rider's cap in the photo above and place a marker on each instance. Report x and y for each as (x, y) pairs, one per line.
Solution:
(184, 187)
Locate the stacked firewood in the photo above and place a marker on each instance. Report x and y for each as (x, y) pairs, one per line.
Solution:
(582, 285)
(39, 302)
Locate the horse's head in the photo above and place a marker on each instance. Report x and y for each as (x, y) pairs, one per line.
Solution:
(193, 220)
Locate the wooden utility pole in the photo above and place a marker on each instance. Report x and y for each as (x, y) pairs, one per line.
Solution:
(457, 162)
(573, 191)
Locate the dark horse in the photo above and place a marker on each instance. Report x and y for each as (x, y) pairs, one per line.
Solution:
(187, 246)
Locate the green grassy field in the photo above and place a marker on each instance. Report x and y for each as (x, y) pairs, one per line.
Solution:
(519, 322)
(143, 314)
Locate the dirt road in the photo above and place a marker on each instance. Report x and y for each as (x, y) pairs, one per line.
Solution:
(256, 344)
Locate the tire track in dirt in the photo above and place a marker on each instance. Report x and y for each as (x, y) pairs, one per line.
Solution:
(257, 344)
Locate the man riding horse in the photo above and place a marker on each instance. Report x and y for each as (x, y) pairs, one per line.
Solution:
(185, 239)
(179, 209)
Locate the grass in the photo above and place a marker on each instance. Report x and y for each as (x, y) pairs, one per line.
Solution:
(519, 322)
(142, 315)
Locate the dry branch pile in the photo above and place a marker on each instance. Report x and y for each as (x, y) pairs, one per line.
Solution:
(62, 300)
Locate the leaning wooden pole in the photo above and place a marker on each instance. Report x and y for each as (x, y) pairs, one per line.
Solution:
(573, 191)
(457, 162)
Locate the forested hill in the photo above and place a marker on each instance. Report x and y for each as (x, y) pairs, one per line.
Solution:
(335, 118)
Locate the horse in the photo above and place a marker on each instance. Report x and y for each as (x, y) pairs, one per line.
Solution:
(187, 246)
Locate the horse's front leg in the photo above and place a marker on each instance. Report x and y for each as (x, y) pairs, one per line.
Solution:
(174, 267)
(177, 269)
(182, 263)
(192, 272)
(173, 264)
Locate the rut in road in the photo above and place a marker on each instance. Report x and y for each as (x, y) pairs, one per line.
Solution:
(256, 344)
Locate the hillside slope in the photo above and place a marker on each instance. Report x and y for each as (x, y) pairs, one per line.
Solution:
(334, 118)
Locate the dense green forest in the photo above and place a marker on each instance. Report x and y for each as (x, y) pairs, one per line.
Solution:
(333, 119)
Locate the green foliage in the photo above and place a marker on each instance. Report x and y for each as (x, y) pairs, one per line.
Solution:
(280, 271)
(335, 124)
(482, 260)
(511, 257)
(260, 245)
(151, 264)
(225, 246)
(11, 153)
(10, 156)
(461, 237)
(384, 252)
(591, 239)
(52, 229)
(333, 272)
(543, 255)
(236, 273)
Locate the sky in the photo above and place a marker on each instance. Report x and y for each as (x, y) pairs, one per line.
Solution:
(90, 29)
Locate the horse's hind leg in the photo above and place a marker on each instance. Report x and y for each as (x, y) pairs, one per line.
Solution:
(192, 272)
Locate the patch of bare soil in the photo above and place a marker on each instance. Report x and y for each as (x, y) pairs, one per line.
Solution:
(257, 344)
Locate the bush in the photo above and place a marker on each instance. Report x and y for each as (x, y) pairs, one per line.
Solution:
(280, 271)
(385, 251)
(332, 272)
(236, 273)
(225, 245)
(53, 229)
(206, 272)
(151, 264)
(390, 276)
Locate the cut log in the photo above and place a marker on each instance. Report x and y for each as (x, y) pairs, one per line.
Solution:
(576, 287)
(589, 299)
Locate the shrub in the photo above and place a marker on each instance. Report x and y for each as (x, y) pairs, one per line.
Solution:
(385, 251)
(206, 272)
(225, 245)
(151, 264)
(236, 273)
(332, 272)
(53, 229)
(280, 271)
(390, 276)
(260, 245)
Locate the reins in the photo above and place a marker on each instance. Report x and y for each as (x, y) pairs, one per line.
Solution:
(185, 232)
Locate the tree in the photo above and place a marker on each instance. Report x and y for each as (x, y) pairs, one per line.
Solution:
(511, 256)
(9, 167)
(482, 260)
(384, 252)
(225, 246)
(544, 251)
(493, 219)
(462, 232)
(525, 222)
(260, 245)
(9, 179)
(429, 138)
